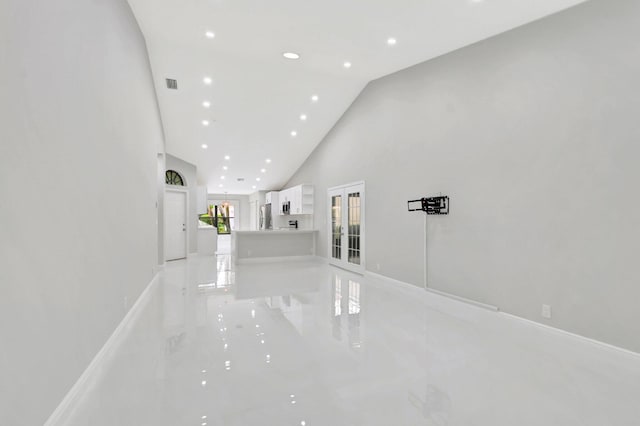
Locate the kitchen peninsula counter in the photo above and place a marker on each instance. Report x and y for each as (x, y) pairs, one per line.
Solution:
(273, 245)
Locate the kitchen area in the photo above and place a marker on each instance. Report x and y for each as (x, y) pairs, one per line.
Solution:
(283, 227)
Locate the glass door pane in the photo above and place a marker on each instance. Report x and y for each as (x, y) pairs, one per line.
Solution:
(354, 228)
(336, 227)
(225, 218)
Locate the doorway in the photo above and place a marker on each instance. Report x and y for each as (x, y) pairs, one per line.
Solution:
(347, 227)
(175, 224)
(225, 218)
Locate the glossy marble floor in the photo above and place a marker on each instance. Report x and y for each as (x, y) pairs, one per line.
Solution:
(305, 344)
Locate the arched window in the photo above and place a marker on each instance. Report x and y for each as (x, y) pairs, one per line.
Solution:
(171, 177)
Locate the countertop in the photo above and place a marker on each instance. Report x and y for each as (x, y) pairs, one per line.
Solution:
(277, 231)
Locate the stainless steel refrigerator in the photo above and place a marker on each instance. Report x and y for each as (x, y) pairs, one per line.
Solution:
(265, 217)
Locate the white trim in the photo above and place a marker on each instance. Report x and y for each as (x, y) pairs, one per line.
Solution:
(185, 190)
(343, 264)
(414, 289)
(346, 185)
(86, 379)
(275, 259)
(573, 335)
(406, 286)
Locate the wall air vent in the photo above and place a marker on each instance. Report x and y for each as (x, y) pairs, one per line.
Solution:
(240, 179)
(172, 84)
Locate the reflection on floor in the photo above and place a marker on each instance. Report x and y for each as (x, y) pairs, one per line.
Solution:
(308, 344)
(224, 244)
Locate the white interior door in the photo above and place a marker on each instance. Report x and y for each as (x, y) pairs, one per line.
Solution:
(175, 225)
(346, 227)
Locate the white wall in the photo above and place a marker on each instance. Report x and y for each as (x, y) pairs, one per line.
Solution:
(79, 137)
(189, 173)
(534, 135)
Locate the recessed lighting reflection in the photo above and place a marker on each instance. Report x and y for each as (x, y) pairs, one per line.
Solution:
(347, 65)
(210, 34)
(205, 123)
(203, 383)
(207, 80)
(291, 55)
(263, 170)
(257, 179)
(253, 187)
(294, 133)
(268, 160)
(315, 98)
(205, 146)
(220, 186)
(226, 157)
(303, 117)
(225, 168)
(391, 41)
(206, 104)
(222, 177)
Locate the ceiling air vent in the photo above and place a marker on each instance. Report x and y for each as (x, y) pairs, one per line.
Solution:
(172, 84)
(240, 179)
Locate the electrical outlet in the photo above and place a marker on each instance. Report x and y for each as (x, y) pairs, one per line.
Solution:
(546, 311)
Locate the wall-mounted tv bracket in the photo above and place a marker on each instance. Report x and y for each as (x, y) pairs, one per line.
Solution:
(431, 205)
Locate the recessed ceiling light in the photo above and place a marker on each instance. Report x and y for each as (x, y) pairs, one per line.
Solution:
(226, 157)
(263, 170)
(254, 187)
(222, 177)
(206, 104)
(220, 186)
(268, 160)
(205, 146)
(303, 117)
(225, 168)
(207, 80)
(294, 133)
(347, 64)
(210, 34)
(314, 98)
(205, 123)
(257, 179)
(291, 55)
(391, 41)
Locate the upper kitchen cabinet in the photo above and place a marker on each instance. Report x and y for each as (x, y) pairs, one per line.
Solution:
(271, 197)
(298, 200)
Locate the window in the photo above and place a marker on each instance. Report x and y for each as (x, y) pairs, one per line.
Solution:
(171, 177)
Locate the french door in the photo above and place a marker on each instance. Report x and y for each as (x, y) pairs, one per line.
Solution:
(346, 227)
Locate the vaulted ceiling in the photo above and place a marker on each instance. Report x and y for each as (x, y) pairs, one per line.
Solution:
(261, 114)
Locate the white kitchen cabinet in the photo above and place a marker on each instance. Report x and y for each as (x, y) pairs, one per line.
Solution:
(300, 199)
(271, 197)
(285, 196)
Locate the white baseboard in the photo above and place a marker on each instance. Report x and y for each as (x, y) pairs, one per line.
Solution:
(430, 290)
(275, 259)
(82, 385)
(572, 335)
(416, 290)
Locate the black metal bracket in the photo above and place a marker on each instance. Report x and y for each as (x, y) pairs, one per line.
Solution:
(432, 205)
